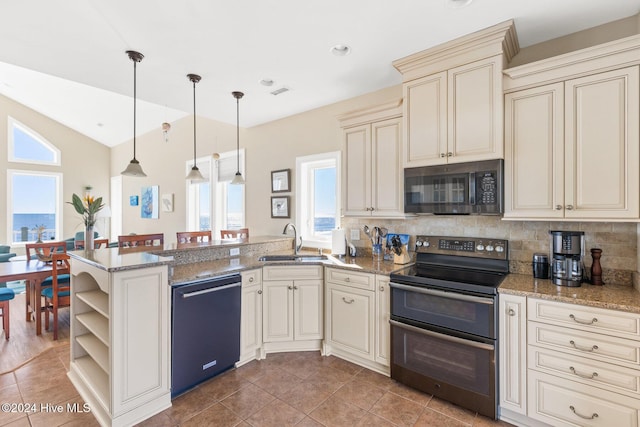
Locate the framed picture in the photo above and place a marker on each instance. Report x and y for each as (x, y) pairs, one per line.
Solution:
(149, 203)
(133, 200)
(280, 207)
(280, 181)
(167, 202)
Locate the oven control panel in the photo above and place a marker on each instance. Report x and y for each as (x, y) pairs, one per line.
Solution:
(479, 247)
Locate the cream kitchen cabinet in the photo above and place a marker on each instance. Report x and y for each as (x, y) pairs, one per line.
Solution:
(251, 316)
(120, 337)
(572, 148)
(513, 353)
(292, 307)
(583, 365)
(453, 108)
(372, 169)
(355, 324)
(454, 116)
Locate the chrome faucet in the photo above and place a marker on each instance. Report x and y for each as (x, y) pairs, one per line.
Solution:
(296, 246)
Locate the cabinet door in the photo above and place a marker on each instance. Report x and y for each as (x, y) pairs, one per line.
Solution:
(357, 170)
(277, 306)
(475, 111)
(534, 153)
(383, 310)
(350, 319)
(513, 352)
(386, 176)
(308, 309)
(425, 121)
(601, 145)
(251, 320)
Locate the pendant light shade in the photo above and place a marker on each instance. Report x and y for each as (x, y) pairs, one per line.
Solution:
(194, 175)
(237, 180)
(134, 168)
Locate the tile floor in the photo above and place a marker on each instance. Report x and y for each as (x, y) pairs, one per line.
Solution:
(303, 389)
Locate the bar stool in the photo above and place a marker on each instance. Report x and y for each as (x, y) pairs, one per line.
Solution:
(6, 295)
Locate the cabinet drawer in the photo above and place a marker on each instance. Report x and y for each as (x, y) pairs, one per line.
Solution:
(586, 371)
(351, 279)
(292, 272)
(612, 322)
(594, 346)
(251, 277)
(560, 402)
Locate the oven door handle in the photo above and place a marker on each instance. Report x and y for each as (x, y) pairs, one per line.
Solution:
(457, 340)
(443, 294)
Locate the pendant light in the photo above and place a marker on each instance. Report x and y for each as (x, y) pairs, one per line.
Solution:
(134, 168)
(238, 180)
(194, 176)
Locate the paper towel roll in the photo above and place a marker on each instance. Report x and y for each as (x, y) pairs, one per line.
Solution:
(338, 242)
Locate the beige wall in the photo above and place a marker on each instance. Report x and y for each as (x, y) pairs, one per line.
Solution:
(84, 162)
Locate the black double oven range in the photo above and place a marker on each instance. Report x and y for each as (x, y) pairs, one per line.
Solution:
(444, 320)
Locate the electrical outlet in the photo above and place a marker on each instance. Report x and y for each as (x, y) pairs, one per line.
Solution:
(234, 251)
(235, 262)
(355, 234)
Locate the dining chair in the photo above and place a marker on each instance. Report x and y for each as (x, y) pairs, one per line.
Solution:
(134, 240)
(97, 243)
(193, 236)
(58, 294)
(6, 295)
(238, 233)
(44, 252)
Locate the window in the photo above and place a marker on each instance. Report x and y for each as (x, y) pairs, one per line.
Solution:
(318, 195)
(27, 146)
(33, 201)
(216, 204)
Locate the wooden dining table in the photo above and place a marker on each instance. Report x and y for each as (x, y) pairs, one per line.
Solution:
(33, 272)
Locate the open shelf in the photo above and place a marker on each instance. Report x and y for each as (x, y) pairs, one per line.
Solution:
(97, 324)
(96, 349)
(96, 299)
(98, 379)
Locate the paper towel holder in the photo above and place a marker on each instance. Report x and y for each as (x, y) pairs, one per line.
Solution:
(338, 243)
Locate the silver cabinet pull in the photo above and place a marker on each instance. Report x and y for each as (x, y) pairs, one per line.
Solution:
(583, 322)
(512, 312)
(348, 301)
(558, 207)
(569, 207)
(577, 347)
(593, 416)
(589, 377)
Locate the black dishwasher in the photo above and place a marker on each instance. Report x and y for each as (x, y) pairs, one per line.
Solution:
(205, 330)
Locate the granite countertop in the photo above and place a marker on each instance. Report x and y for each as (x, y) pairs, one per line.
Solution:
(189, 272)
(611, 296)
(117, 259)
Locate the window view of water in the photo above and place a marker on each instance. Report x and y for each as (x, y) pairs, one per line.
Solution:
(25, 224)
(323, 224)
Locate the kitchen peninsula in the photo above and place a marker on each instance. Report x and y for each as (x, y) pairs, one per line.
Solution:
(121, 315)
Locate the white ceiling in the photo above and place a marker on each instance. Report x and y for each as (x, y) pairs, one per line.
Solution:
(66, 58)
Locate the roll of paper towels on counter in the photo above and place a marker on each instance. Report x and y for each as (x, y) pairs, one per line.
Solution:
(338, 242)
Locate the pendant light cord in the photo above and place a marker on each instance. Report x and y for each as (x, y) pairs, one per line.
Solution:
(194, 123)
(134, 108)
(238, 135)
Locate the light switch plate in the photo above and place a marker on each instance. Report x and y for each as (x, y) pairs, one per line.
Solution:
(355, 234)
(234, 251)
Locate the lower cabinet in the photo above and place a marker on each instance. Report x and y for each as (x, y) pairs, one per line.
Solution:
(292, 308)
(251, 316)
(357, 318)
(577, 365)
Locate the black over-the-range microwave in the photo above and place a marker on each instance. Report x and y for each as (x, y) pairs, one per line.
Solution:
(455, 189)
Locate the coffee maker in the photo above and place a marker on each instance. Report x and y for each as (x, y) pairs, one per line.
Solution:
(567, 268)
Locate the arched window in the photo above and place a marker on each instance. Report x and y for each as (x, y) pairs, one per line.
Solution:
(27, 146)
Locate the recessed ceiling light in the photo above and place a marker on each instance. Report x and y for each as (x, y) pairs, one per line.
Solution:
(266, 82)
(341, 50)
(100, 125)
(457, 4)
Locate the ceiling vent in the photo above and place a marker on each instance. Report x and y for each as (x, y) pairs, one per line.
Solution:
(279, 91)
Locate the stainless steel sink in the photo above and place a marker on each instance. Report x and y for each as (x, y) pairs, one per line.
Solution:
(292, 258)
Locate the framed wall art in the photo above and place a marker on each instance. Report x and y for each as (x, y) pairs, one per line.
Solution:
(280, 207)
(149, 204)
(280, 181)
(133, 200)
(167, 202)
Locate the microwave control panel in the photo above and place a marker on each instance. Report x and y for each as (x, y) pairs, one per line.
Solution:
(486, 188)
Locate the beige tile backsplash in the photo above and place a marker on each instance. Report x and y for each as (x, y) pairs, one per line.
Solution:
(618, 241)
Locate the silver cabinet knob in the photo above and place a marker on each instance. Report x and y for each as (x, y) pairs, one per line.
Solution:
(381, 288)
(449, 154)
(347, 279)
(443, 155)
(569, 207)
(512, 312)
(290, 287)
(260, 292)
(250, 279)
(558, 207)
(295, 288)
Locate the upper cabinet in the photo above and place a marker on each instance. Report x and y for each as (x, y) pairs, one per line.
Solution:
(453, 99)
(571, 136)
(372, 169)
